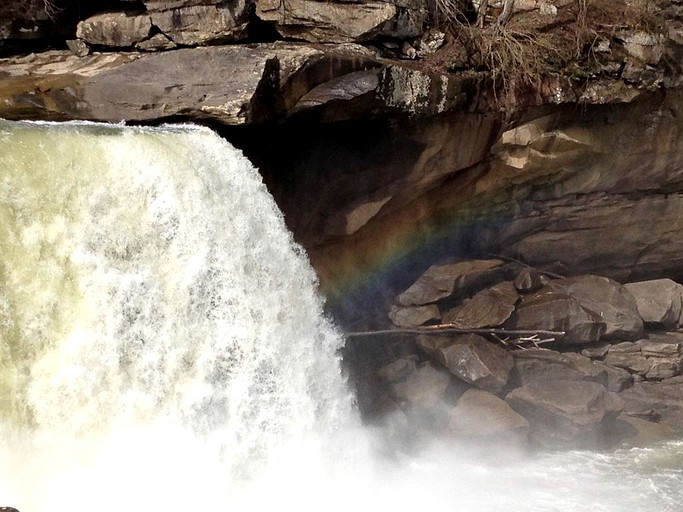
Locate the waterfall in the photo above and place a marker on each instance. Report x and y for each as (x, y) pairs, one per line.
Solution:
(149, 290)
(162, 347)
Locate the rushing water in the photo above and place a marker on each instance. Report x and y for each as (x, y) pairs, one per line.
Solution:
(162, 346)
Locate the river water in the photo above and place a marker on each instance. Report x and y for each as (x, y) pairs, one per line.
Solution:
(163, 346)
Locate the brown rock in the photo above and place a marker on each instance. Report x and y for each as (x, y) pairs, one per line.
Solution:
(634, 431)
(607, 299)
(551, 310)
(114, 29)
(156, 43)
(470, 358)
(566, 413)
(488, 308)
(444, 279)
(479, 414)
(660, 301)
(414, 316)
(597, 351)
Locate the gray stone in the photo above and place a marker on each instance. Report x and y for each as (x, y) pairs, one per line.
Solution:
(414, 316)
(656, 401)
(551, 310)
(166, 5)
(470, 358)
(541, 365)
(608, 299)
(566, 413)
(660, 301)
(326, 22)
(479, 414)
(444, 279)
(618, 379)
(202, 24)
(114, 29)
(488, 308)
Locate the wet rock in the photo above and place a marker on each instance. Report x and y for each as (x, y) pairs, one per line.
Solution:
(540, 365)
(114, 29)
(470, 358)
(607, 299)
(659, 301)
(566, 413)
(202, 24)
(414, 316)
(488, 308)
(481, 415)
(445, 279)
(552, 310)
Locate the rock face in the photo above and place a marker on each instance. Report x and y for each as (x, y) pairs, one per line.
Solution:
(564, 413)
(114, 29)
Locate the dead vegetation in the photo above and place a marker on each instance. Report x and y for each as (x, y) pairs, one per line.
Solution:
(518, 52)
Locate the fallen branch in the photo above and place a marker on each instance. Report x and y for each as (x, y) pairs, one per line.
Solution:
(451, 328)
(514, 260)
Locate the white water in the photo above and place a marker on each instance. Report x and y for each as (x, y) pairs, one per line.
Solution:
(162, 347)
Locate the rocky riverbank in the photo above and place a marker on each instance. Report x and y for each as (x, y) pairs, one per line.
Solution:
(490, 350)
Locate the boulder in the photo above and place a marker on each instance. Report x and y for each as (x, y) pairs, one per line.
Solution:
(566, 413)
(607, 299)
(414, 316)
(552, 310)
(660, 302)
(425, 388)
(541, 365)
(445, 279)
(481, 415)
(470, 358)
(327, 22)
(114, 29)
(488, 308)
(618, 379)
(202, 24)
(597, 351)
(656, 401)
